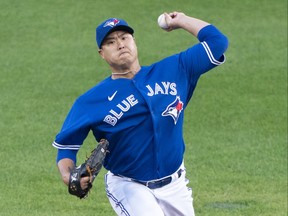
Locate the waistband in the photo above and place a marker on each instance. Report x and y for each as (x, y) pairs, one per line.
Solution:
(158, 183)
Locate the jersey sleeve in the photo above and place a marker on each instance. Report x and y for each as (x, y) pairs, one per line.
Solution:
(204, 56)
(207, 54)
(215, 44)
(74, 130)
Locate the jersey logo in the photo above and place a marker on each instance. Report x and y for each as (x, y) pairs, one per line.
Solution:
(110, 98)
(174, 109)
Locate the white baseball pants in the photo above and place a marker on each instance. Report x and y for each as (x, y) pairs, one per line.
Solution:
(131, 198)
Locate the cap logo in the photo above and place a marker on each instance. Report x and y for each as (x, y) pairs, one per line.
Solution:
(111, 23)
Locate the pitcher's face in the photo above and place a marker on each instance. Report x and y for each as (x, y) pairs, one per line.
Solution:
(119, 50)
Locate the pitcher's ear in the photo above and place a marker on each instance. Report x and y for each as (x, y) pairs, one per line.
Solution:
(100, 51)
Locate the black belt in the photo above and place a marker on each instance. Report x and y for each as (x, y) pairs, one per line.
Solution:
(154, 184)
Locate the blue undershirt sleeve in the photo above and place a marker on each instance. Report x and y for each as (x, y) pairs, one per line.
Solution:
(66, 153)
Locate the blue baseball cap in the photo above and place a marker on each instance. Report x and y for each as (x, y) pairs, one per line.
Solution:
(110, 25)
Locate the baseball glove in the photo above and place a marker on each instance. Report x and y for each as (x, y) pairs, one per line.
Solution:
(91, 167)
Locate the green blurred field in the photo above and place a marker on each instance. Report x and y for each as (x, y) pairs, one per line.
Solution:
(236, 124)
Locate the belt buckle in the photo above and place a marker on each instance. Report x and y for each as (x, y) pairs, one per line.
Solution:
(150, 182)
(158, 183)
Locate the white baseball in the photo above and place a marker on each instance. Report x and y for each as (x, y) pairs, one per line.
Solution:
(162, 22)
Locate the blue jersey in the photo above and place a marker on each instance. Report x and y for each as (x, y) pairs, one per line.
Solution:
(142, 118)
